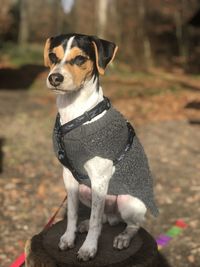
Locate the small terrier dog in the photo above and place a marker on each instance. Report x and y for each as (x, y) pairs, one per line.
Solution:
(104, 164)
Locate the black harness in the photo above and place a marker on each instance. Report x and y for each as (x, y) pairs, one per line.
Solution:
(61, 130)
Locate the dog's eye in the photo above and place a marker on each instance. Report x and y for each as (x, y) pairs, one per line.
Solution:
(79, 60)
(53, 58)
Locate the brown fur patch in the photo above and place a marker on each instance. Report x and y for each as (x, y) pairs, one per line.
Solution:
(74, 52)
(79, 73)
(59, 51)
(114, 54)
(46, 53)
(100, 70)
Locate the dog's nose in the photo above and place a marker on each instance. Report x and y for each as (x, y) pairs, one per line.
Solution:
(56, 79)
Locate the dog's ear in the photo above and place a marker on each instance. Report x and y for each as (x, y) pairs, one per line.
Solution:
(105, 52)
(46, 52)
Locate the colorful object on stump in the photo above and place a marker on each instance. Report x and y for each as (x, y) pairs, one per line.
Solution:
(164, 239)
(19, 261)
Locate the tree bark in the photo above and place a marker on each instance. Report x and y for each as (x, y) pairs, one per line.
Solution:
(143, 35)
(24, 23)
(134, 35)
(102, 11)
(181, 32)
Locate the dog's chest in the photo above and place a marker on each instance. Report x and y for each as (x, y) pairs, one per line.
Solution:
(105, 138)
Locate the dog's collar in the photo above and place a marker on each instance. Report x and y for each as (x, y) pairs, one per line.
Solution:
(87, 116)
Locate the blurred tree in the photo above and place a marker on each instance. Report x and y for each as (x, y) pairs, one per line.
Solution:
(148, 32)
(58, 16)
(84, 20)
(101, 15)
(134, 35)
(114, 25)
(143, 34)
(108, 20)
(5, 16)
(45, 18)
(40, 19)
(169, 31)
(182, 30)
(24, 30)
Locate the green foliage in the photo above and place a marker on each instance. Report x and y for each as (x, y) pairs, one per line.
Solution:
(20, 55)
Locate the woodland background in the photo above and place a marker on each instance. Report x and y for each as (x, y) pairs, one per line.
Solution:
(148, 32)
(154, 81)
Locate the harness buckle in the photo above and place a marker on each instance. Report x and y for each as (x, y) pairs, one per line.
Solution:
(87, 115)
(108, 104)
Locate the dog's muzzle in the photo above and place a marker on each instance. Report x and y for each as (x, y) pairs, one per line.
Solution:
(56, 79)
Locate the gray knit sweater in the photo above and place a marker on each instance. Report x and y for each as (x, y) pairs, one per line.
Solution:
(107, 137)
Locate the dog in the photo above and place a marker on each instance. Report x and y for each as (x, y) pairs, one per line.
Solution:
(104, 164)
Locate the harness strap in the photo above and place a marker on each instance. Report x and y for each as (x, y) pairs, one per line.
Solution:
(131, 134)
(87, 116)
(61, 130)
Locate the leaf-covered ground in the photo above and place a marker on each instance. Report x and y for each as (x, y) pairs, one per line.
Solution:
(165, 111)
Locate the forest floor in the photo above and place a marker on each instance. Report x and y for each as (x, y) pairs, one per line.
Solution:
(165, 110)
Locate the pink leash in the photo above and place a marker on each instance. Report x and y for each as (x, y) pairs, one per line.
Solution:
(21, 259)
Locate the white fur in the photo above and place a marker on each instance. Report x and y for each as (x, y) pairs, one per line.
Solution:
(67, 240)
(67, 50)
(75, 104)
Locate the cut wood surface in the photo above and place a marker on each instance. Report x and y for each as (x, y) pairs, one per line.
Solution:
(43, 249)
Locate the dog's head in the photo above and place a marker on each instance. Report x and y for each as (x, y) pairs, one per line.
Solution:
(74, 59)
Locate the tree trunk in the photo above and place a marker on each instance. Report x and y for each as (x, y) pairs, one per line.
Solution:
(134, 35)
(58, 16)
(102, 11)
(143, 35)
(181, 33)
(24, 23)
(114, 25)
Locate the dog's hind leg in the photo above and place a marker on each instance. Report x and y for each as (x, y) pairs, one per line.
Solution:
(132, 211)
(68, 238)
(110, 210)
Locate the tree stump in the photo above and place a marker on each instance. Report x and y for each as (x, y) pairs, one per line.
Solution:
(42, 250)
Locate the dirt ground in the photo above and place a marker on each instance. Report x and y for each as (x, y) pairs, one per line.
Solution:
(165, 111)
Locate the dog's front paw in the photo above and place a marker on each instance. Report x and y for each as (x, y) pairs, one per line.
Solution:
(87, 252)
(66, 242)
(122, 240)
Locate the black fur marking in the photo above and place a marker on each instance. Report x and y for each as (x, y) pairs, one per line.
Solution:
(84, 42)
(54, 59)
(105, 51)
(78, 60)
(59, 40)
